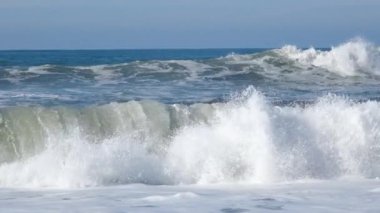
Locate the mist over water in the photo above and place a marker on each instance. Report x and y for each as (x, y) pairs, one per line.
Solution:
(265, 116)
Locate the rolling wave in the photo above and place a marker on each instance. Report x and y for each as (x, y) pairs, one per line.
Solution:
(244, 140)
(355, 58)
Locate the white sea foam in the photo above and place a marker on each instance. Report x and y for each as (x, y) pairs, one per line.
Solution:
(39, 70)
(17, 74)
(353, 58)
(356, 57)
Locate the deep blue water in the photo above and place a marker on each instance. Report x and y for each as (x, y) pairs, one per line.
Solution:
(96, 57)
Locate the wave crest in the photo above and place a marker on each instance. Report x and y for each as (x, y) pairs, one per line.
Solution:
(353, 58)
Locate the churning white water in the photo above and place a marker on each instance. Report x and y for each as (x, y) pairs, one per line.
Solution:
(353, 58)
(245, 140)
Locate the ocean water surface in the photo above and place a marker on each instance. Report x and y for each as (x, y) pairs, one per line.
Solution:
(212, 130)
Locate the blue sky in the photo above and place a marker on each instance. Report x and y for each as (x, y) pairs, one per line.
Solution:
(110, 24)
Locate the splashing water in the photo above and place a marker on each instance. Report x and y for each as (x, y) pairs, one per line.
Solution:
(244, 140)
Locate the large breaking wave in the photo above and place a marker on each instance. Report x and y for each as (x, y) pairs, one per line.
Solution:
(246, 139)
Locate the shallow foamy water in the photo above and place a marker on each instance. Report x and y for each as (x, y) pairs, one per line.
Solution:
(312, 196)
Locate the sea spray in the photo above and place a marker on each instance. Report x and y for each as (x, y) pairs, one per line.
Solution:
(356, 57)
(244, 140)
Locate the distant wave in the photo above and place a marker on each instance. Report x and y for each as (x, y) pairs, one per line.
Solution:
(244, 140)
(355, 58)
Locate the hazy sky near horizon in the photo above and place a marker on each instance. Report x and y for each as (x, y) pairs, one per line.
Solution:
(99, 24)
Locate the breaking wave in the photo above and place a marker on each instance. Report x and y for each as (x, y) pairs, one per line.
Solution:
(246, 139)
(354, 58)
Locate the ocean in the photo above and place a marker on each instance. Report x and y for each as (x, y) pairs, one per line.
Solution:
(209, 130)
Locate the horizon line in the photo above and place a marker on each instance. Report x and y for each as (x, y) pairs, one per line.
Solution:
(116, 49)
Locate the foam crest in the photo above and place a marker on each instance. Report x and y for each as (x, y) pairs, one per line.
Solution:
(245, 140)
(353, 58)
